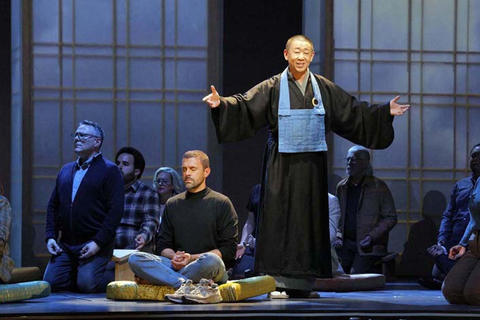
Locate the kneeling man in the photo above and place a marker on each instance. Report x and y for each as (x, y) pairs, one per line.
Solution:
(197, 235)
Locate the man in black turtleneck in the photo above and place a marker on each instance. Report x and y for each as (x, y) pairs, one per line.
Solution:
(197, 235)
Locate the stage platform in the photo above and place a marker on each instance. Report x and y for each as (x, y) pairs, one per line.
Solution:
(397, 301)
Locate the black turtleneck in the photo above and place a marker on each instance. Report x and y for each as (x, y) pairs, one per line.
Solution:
(199, 222)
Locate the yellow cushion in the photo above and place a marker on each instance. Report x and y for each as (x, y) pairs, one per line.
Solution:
(239, 290)
(23, 291)
(130, 290)
(231, 291)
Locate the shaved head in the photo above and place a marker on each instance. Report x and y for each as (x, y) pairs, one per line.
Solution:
(298, 37)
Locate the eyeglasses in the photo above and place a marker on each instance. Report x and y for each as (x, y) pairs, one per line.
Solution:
(165, 182)
(82, 137)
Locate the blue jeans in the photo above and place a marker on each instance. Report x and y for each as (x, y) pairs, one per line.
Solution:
(158, 270)
(66, 272)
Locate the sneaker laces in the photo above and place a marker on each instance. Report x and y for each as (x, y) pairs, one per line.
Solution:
(186, 288)
(204, 288)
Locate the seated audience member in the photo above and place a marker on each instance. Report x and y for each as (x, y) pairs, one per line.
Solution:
(462, 283)
(454, 222)
(197, 235)
(83, 213)
(6, 263)
(368, 215)
(167, 183)
(142, 211)
(334, 214)
(246, 247)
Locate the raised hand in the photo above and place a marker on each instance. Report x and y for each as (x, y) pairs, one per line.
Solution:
(213, 99)
(398, 109)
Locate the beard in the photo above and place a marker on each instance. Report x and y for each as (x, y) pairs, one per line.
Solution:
(192, 183)
(128, 178)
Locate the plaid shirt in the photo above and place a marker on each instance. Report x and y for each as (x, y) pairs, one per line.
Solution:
(6, 263)
(141, 216)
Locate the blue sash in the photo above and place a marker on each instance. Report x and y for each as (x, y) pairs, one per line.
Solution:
(300, 130)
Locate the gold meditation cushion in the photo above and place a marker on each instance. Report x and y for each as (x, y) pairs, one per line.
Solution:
(130, 290)
(24, 290)
(231, 291)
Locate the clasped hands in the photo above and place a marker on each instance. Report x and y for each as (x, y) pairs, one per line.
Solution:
(180, 260)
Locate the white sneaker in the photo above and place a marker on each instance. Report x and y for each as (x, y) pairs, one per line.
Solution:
(278, 295)
(205, 292)
(186, 288)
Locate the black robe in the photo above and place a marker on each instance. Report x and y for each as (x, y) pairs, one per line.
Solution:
(293, 227)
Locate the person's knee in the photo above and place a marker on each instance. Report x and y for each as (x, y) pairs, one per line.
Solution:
(135, 260)
(56, 282)
(87, 284)
(210, 261)
(51, 279)
(452, 293)
(212, 266)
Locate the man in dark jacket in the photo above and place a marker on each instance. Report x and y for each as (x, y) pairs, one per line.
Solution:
(86, 207)
(368, 215)
(454, 222)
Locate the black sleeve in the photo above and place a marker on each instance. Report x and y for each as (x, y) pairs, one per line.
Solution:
(227, 231)
(115, 204)
(166, 236)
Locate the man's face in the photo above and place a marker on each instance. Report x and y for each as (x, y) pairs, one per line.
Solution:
(355, 164)
(194, 174)
(86, 141)
(475, 161)
(299, 56)
(164, 183)
(126, 164)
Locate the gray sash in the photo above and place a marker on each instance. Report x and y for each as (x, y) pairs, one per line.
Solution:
(300, 130)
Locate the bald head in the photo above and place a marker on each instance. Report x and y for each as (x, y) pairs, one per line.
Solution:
(360, 152)
(298, 37)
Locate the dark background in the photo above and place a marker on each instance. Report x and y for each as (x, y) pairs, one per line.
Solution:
(5, 95)
(255, 33)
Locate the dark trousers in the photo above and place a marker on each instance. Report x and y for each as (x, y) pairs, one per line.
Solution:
(66, 272)
(462, 284)
(444, 264)
(354, 263)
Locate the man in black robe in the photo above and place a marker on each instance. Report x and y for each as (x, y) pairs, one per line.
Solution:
(293, 237)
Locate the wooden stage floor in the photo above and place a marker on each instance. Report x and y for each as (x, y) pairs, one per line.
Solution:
(396, 301)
